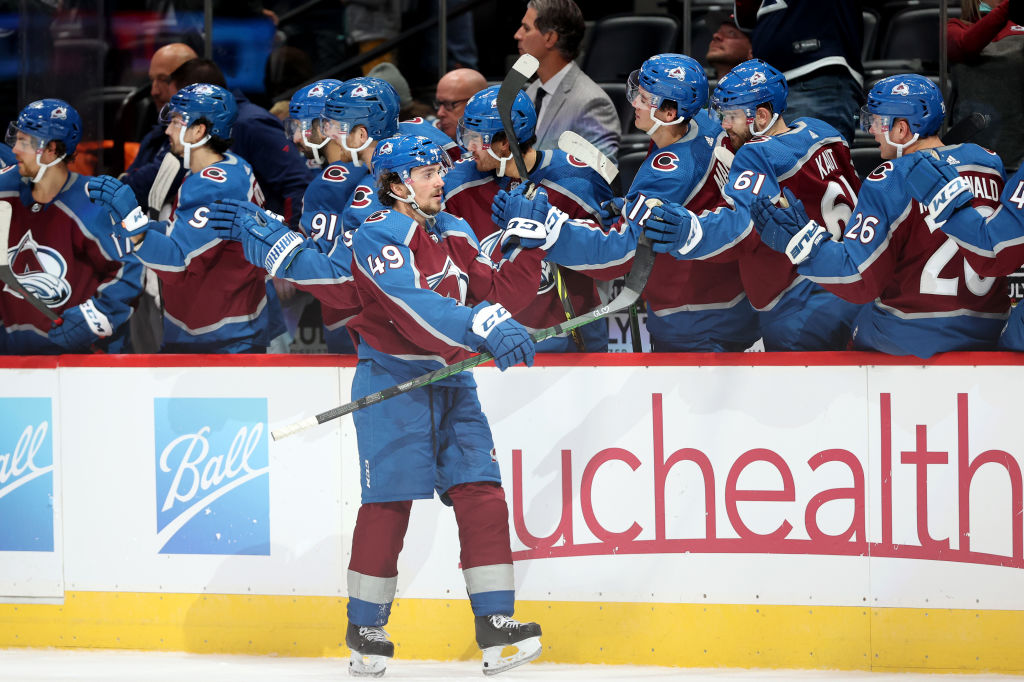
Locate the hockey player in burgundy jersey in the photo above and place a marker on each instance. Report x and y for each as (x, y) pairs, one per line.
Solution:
(429, 297)
(923, 295)
(571, 186)
(214, 301)
(356, 115)
(991, 243)
(807, 156)
(60, 245)
(692, 306)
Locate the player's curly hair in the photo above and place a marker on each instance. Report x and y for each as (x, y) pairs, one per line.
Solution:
(216, 144)
(384, 183)
(563, 17)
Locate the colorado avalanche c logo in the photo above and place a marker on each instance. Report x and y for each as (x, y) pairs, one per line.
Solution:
(901, 89)
(42, 271)
(214, 173)
(665, 162)
(575, 162)
(362, 196)
(377, 216)
(335, 173)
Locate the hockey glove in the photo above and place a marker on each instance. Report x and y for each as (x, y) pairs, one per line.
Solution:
(611, 210)
(505, 339)
(937, 185)
(267, 242)
(516, 204)
(82, 326)
(531, 223)
(672, 229)
(787, 228)
(119, 200)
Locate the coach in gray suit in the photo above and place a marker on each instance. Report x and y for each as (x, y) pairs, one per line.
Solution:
(565, 97)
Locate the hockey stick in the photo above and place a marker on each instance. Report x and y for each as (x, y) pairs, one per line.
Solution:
(571, 143)
(582, 150)
(522, 71)
(8, 276)
(636, 280)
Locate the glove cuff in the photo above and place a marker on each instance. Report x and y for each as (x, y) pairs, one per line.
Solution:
(280, 251)
(486, 318)
(694, 236)
(97, 322)
(135, 221)
(805, 242)
(942, 203)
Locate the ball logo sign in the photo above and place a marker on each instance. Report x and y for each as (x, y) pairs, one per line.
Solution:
(26, 475)
(212, 476)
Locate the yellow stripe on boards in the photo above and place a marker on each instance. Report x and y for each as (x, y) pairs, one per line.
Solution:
(684, 635)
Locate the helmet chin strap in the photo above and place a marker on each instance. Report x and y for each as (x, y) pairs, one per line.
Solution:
(411, 201)
(658, 122)
(315, 148)
(760, 133)
(899, 147)
(44, 166)
(502, 160)
(355, 151)
(187, 146)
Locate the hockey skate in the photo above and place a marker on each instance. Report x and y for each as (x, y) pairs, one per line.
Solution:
(496, 633)
(371, 650)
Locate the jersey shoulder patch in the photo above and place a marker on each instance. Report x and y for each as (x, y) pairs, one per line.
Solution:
(214, 173)
(377, 216)
(335, 173)
(666, 162)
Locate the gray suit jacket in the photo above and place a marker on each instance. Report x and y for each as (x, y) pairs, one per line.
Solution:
(581, 106)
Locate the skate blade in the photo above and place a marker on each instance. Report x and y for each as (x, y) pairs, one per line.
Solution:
(524, 652)
(367, 666)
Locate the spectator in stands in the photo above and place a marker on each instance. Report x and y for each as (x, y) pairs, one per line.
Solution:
(453, 91)
(817, 47)
(986, 51)
(153, 146)
(287, 68)
(729, 45)
(411, 107)
(564, 96)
